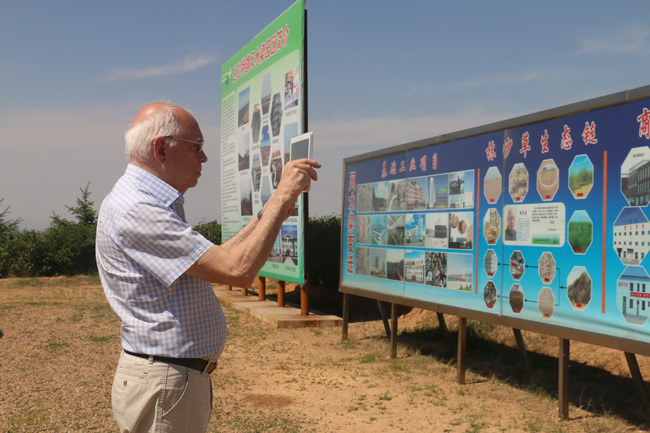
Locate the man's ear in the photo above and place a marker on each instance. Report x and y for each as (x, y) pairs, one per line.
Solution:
(159, 152)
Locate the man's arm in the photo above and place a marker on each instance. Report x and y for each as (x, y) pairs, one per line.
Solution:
(238, 260)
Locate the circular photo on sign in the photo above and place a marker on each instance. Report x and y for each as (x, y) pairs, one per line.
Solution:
(492, 185)
(518, 182)
(490, 294)
(516, 298)
(548, 179)
(546, 302)
(634, 173)
(579, 288)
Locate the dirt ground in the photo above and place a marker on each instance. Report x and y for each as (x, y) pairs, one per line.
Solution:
(61, 345)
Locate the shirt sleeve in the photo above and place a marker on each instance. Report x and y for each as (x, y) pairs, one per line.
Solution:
(155, 238)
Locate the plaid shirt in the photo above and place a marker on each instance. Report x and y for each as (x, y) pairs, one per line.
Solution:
(143, 248)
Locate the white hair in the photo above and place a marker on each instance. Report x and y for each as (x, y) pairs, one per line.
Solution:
(160, 122)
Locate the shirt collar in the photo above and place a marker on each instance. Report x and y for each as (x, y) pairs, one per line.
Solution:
(160, 189)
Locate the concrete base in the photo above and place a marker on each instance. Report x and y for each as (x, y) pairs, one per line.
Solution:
(271, 313)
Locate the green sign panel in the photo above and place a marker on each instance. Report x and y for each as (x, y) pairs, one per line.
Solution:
(262, 105)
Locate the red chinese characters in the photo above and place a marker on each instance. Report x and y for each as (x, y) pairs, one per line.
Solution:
(644, 123)
(384, 173)
(393, 167)
(589, 133)
(412, 165)
(434, 161)
(491, 153)
(507, 145)
(423, 163)
(567, 141)
(544, 141)
(267, 48)
(525, 144)
(352, 187)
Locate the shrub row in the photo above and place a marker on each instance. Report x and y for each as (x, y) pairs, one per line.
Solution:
(67, 247)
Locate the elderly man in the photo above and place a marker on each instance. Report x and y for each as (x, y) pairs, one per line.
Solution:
(156, 272)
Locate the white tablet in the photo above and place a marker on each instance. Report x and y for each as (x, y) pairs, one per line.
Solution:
(301, 146)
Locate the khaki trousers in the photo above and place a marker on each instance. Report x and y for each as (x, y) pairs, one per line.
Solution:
(160, 398)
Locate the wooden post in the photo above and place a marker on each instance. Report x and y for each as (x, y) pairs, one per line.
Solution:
(244, 291)
(229, 287)
(281, 287)
(304, 299)
(563, 379)
(523, 354)
(393, 331)
(261, 288)
(637, 378)
(443, 328)
(384, 318)
(462, 349)
(346, 315)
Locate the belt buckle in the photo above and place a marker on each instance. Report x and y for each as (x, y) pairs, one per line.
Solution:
(210, 366)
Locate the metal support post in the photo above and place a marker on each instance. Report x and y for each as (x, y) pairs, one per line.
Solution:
(563, 379)
(462, 349)
(393, 331)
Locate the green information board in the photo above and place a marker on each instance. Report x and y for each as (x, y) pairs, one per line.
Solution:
(263, 102)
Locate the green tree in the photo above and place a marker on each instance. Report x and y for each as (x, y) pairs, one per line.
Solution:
(8, 231)
(210, 230)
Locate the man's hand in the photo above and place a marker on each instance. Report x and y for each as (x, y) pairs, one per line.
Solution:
(297, 177)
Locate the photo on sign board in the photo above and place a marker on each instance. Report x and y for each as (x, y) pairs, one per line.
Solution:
(397, 194)
(265, 145)
(581, 176)
(380, 195)
(378, 230)
(276, 114)
(635, 165)
(396, 224)
(415, 230)
(266, 93)
(256, 124)
(365, 194)
(460, 272)
(439, 191)
(416, 193)
(362, 262)
(276, 172)
(435, 269)
(461, 190)
(437, 225)
(290, 131)
(414, 266)
(395, 264)
(378, 262)
(291, 89)
(256, 173)
(289, 252)
(244, 151)
(246, 196)
(461, 230)
(362, 232)
(244, 102)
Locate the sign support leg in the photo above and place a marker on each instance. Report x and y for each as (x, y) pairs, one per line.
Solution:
(346, 316)
(443, 328)
(261, 288)
(462, 349)
(304, 299)
(393, 331)
(563, 379)
(522, 350)
(638, 378)
(281, 288)
(384, 316)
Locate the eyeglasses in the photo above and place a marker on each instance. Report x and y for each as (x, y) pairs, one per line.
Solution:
(199, 144)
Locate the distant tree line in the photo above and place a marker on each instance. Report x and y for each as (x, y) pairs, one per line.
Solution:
(67, 246)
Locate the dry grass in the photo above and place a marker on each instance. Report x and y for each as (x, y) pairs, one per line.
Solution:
(61, 346)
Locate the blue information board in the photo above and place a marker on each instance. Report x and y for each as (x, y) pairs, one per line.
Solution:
(541, 219)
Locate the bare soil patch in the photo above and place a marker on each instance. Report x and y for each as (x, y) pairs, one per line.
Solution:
(61, 345)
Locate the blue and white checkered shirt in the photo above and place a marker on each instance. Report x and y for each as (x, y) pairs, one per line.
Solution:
(143, 247)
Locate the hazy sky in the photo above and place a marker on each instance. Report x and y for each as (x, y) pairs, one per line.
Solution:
(74, 73)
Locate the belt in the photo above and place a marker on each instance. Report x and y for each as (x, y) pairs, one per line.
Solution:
(202, 365)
